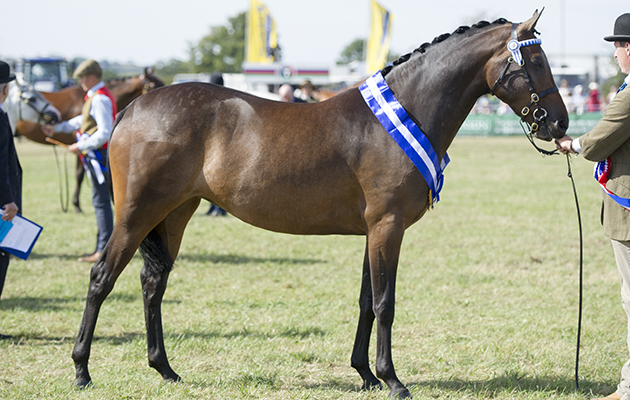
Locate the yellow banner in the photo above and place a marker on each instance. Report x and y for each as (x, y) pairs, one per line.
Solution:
(380, 36)
(261, 34)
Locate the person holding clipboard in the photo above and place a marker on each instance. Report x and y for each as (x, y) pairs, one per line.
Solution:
(10, 170)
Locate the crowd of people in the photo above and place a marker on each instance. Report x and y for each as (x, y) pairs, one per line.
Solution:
(577, 100)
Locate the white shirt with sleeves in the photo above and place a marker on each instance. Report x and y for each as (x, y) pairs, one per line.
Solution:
(102, 113)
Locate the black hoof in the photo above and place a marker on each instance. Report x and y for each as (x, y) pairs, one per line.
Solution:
(372, 385)
(82, 383)
(402, 394)
(172, 378)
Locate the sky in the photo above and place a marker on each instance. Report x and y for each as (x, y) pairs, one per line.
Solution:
(310, 32)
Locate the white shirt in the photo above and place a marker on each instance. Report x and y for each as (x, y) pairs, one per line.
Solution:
(102, 113)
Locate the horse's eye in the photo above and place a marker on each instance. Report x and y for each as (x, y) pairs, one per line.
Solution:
(537, 62)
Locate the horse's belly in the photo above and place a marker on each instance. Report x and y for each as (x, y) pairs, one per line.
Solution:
(307, 207)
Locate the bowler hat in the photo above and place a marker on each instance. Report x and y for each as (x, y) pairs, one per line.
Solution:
(621, 33)
(87, 67)
(5, 73)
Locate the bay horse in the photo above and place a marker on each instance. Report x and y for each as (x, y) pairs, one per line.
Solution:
(308, 169)
(69, 101)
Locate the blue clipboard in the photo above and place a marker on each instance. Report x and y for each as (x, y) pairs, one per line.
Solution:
(29, 233)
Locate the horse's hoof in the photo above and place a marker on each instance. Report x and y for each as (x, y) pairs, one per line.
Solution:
(401, 394)
(173, 378)
(372, 385)
(82, 383)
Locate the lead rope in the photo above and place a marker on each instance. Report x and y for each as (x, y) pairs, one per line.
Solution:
(579, 329)
(544, 153)
(64, 207)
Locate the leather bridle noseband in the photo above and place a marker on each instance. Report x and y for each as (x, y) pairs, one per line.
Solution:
(539, 114)
(47, 117)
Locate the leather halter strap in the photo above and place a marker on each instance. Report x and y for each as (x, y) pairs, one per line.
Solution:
(42, 115)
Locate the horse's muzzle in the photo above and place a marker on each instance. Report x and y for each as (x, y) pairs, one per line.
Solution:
(51, 116)
(552, 129)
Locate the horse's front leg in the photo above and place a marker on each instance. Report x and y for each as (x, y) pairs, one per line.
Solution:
(360, 357)
(384, 241)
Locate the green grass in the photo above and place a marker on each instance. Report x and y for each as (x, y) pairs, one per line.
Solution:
(486, 308)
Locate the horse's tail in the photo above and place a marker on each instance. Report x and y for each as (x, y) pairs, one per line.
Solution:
(119, 116)
(157, 259)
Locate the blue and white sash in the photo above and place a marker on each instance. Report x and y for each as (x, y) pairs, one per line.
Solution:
(602, 169)
(394, 118)
(99, 166)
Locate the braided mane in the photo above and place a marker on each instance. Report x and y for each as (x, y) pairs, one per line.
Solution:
(423, 48)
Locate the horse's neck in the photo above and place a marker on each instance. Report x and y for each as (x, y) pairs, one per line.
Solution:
(125, 91)
(440, 87)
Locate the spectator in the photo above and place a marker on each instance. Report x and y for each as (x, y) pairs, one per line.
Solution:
(578, 100)
(10, 171)
(594, 103)
(307, 89)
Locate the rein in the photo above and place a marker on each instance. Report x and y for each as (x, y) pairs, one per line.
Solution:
(514, 46)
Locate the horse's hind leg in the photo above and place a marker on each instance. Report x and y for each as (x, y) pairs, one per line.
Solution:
(159, 249)
(103, 276)
(360, 358)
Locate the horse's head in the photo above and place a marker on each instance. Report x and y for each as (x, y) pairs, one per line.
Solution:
(150, 81)
(24, 103)
(519, 74)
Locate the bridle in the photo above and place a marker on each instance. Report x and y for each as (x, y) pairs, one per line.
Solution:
(539, 114)
(26, 97)
(148, 84)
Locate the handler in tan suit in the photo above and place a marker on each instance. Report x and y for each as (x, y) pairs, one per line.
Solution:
(609, 145)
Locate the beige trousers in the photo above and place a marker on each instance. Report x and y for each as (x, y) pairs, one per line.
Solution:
(622, 257)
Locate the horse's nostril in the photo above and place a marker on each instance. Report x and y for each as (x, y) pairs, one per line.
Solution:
(563, 125)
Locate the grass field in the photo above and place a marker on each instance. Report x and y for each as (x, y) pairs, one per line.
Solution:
(487, 297)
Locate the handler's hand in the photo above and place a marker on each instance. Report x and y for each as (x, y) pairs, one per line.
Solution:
(49, 130)
(10, 210)
(564, 144)
(74, 148)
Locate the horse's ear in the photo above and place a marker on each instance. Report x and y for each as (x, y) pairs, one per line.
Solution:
(530, 24)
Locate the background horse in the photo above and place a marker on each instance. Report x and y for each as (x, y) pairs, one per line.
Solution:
(323, 168)
(24, 103)
(69, 102)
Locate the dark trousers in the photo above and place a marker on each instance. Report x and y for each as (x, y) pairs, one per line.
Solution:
(102, 209)
(4, 266)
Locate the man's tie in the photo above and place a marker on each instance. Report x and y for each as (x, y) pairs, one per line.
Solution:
(622, 87)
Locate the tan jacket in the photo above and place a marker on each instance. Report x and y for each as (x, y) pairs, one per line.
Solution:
(611, 138)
